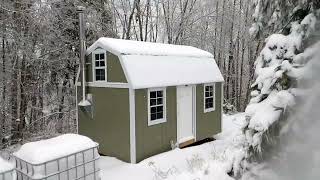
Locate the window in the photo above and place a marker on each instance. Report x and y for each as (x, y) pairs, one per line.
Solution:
(100, 66)
(209, 98)
(156, 106)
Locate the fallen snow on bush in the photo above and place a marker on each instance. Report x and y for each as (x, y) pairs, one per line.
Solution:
(5, 166)
(276, 68)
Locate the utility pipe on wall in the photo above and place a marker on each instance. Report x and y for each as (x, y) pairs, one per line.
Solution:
(80, 11)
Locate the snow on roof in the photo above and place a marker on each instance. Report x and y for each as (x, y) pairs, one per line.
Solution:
(130, 47)
(149, 64)
(50, 149)
(161, 71)
(5, 166)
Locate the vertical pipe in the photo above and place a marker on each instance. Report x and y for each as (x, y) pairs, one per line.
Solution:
(80, 11)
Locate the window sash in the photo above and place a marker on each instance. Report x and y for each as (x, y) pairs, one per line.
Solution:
(209, 97)
(156, 106)
(99, 62)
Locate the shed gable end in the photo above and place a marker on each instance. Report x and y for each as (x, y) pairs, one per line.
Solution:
(114, 72)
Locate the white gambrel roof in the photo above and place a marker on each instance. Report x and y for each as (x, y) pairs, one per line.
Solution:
(149, 64)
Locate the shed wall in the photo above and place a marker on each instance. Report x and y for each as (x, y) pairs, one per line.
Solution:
(110, 124)
(208, 123)
(151, 140)
(115, 72)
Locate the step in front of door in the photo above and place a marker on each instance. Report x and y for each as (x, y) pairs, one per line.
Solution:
(186, 143)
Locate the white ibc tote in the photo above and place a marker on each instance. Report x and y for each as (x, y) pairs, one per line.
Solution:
(66, 157)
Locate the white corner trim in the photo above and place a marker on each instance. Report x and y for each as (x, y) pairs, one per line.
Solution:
(194, 99)
(132, 110)
(204, 98)
(164, 119)
(221, 104)
(125, 71)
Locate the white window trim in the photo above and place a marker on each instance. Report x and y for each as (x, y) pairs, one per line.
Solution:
(164, 119)
(204, 98)
(99, 51)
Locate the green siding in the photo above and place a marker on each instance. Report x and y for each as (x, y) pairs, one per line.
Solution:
(110, 125)
(209, 123)
(151, 140)
(115, 72)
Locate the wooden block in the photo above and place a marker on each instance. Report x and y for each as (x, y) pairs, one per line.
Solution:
(186, 143)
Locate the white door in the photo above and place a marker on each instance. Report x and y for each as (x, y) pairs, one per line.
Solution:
(185, 114)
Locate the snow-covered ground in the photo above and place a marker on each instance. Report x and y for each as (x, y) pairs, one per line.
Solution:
(207, 161)
(211, 160)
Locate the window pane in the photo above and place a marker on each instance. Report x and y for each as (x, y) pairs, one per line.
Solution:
(153, 109)
(207, 94)
(102, 56)
(211, 93)
(160, 115)
(209, 105)
(209, 100)
(97, 63)
(98, 78)
(207, 88)
(100, 74)
(152, 102)
(159, 94)
(153, 94)
(102, 64)
(153, 116)
(159, 108)
(159, 101)
(96, 56)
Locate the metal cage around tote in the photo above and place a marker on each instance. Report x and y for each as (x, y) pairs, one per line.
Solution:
(82, 165)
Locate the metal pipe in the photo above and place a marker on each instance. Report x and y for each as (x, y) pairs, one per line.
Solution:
(80, 10)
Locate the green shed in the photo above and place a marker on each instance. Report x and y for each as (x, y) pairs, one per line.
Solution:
(147, 97)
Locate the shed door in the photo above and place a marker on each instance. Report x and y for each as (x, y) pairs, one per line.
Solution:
(185, 114)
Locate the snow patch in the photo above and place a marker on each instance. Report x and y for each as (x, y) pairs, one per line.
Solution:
(159, 71)
(5, 166)
(131, 47)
